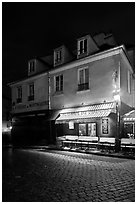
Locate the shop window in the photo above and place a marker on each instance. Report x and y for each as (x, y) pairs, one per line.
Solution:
(59, 83)
(83, 79)
(87, 129)
(105, 126)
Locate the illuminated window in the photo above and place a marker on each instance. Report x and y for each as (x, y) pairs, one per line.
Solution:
(31, 92)
(129, 81)
(82, 46)
(59, 83)
(92, 129)
(83, 79)
(31, 66)
(58, 56)
(88, 129)
(19, 94)
(82, 129)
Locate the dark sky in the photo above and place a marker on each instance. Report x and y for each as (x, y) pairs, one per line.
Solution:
(35, 29)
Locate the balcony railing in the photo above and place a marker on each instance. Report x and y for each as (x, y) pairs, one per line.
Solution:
(82, 87)
(31, 98)
(19, 100)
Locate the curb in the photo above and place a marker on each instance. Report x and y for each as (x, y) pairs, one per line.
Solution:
(44, 148)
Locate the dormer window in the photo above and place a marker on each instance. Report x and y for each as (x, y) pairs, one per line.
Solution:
(82, 46)
(31, 66)
(58, 56)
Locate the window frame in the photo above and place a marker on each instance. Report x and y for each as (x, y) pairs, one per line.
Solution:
(81, 46)
(31, 94)
(19, 94)
(85, 85)
(31, 68)
(58, 56)
(129, 81)
(87, 132)
(60, 83)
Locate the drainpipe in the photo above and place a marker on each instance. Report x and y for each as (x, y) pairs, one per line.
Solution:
(49, 92)
(118, 110)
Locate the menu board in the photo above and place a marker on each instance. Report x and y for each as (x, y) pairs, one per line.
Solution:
(105, 126)
(71, 125)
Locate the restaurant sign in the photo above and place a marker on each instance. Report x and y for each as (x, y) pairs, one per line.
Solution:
(31, 105)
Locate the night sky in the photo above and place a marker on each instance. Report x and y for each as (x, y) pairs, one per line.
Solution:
(35, 29)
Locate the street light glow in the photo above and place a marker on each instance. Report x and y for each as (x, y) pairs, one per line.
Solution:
(117, 97)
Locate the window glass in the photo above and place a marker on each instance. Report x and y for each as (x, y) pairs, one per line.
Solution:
(58, 56)
(31, 90)
(92, 129)
(59, 83)
(82, 46)
(31, 66)
(19, 92)
(85, 45)
(129, 82)
(86, 75)
(83, 79)
(82, 129)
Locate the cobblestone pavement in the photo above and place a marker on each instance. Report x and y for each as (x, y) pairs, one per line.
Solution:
(57, 176)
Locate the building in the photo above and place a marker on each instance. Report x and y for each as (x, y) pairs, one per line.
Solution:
(75, 94)
(6, 124)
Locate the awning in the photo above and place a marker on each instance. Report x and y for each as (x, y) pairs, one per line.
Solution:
(130, 116)
(87, 112)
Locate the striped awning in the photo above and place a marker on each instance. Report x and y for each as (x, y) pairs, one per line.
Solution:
(87, 112)
(130, 116)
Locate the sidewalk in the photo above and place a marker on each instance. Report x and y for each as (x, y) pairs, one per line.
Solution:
(126, 155)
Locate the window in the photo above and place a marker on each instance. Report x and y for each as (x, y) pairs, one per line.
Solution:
(59, 83)
(82, 46)
(82, 129)
(31, 66)
(88, 129)
(129, 130)
(31, 92)
(129, 82)
(58, 56)
(19, 94)
(83, 79)
(92, 129)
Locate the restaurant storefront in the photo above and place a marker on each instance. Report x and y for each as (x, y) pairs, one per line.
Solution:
(88, 122)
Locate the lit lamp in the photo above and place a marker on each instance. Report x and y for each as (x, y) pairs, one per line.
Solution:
(116, 95)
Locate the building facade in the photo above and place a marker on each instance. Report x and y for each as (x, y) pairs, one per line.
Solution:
(79, 94)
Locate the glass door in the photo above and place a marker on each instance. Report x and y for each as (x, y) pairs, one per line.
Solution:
(92, 129)
(82, 129)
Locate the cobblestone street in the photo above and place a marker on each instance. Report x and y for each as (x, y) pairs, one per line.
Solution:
(52, 176)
